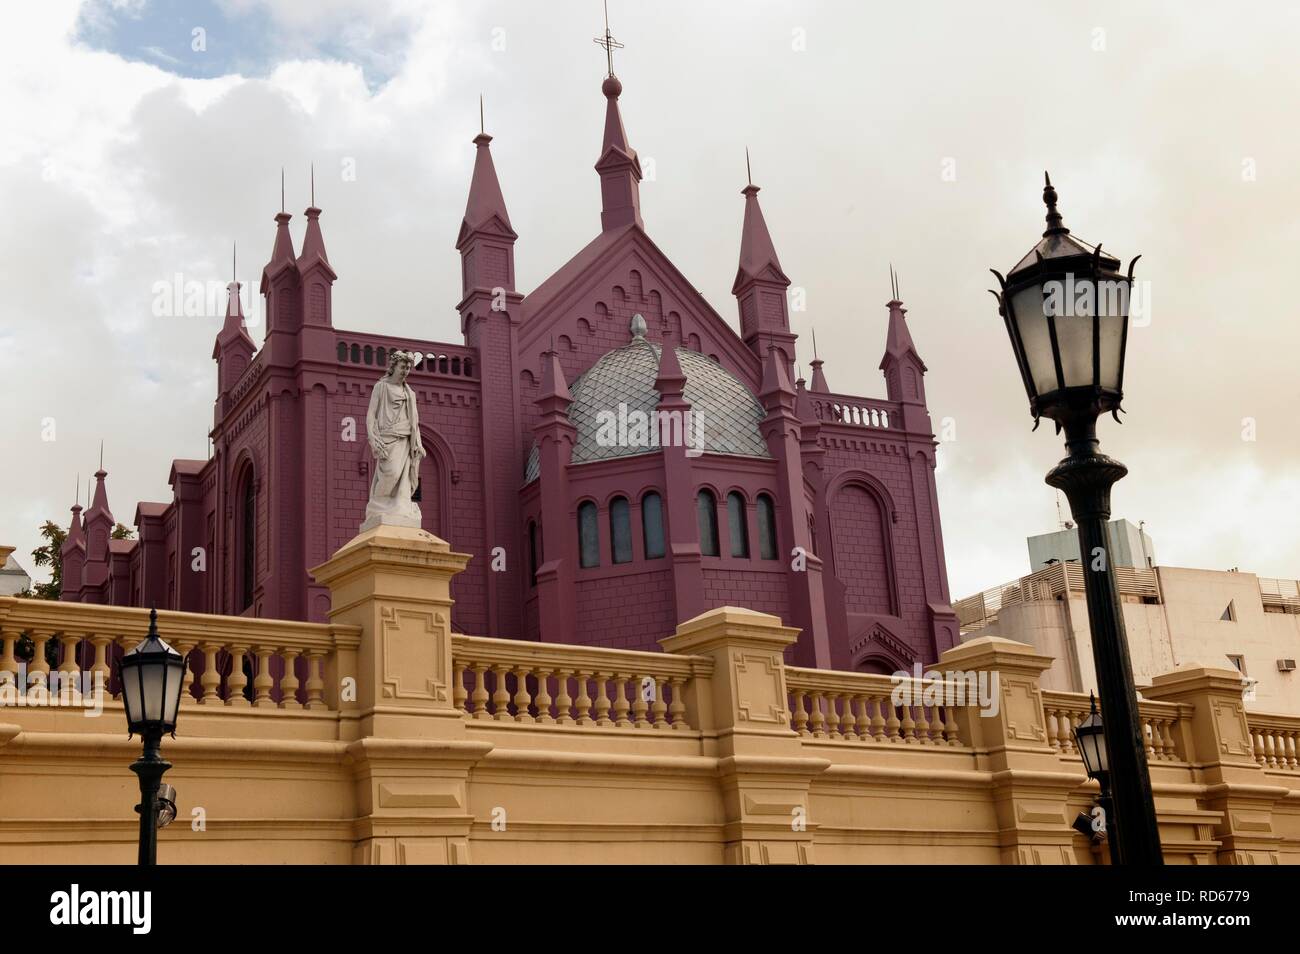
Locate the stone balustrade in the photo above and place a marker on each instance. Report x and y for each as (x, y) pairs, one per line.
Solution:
(230, 661)
(384, 737)
(857, 707)
(1063, 711)
(1276, 741)
(552, 684)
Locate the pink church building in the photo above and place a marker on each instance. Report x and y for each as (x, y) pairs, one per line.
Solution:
(787, 498)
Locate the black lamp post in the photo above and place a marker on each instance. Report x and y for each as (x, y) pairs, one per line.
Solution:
(1065, 305)
(1090, 740)
(152, 676)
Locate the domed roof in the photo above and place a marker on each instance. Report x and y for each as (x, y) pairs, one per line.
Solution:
(725, 414)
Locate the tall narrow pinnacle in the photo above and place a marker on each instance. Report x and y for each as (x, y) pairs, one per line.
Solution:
(818, 383)
(485, 201)
(757, 253)
(618, 165)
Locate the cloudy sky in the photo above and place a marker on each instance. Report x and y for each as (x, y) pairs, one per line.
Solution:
(142, 137)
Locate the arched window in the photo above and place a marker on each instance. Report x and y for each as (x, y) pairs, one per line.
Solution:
(356, 354)
(652, 525)
(707, 507)
(766, 514)
(620, 530)
(248, 541)
(588, 535)
(381, 357)
(369, 354)
(343, 351)
(532, 551)
(737, 525)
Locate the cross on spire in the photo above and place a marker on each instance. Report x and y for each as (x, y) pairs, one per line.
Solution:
(608, 42)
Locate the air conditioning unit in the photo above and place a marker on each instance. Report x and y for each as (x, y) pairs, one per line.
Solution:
(1286, 665)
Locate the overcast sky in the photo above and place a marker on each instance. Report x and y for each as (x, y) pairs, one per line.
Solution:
(134, 148)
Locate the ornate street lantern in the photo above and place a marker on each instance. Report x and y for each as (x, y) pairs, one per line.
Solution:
(1065, 306)
(1090, 739)
(152, 675)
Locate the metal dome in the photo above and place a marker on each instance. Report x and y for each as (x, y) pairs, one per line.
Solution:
(725, 411)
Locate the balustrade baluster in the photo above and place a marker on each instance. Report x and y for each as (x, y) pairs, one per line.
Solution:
(951, 731)
(660, 707)
(187, 679)
(621, 706)
(641, 687)
(458, 693)
(522, 699)
(832, 717)
(602, 701)
(236, 681)
(69, 684)
(9, 661)
(500, 695)
(892, 724)
(677, 709)
(99, 671)
(583, 702)
(38, 670)
(289, 681)
(800, 713)
(864, 719)
(563, 701)
(210, 681)
(878, 718)
(543, 698)
(848, 718)
(479, 697)
(316, 679)
(908, 725)
(936, 726)
(818, 720)
(262, 681)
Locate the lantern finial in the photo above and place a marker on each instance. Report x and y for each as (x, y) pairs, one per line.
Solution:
(1054, 222)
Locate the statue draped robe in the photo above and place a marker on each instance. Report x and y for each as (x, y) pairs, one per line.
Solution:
(394, 423)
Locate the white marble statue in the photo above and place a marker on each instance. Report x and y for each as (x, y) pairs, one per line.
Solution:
(393, 430)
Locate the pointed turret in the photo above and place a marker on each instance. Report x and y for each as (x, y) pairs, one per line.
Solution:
(757, 253)
(486, 206)
(904, 370)
(553, 395)
(486, 239)
(776, 388)
(73, 555)
(315, 275)
(760, 287)
(818, 378)
(671, 380)
(619, 166)
(282, 255)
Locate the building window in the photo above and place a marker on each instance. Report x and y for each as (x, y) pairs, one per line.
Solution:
(707, 507)
(356, 354)
(532, 551)
(248, 542)
(1239, 662)
(343, 351)
(737, 525)
(588, 535)
(1229, 613)
(620, 530)
(652, 525)
(766, 514)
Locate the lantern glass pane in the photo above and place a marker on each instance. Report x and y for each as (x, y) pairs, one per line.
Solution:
(175, 676)
(131, 700)
(152, 675)
(1112, 306)
(1031, 324)
(1075, 300)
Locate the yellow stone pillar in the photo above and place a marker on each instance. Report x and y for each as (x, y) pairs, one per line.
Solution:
(1236, 785)
(743, 709)
(410, 758)
(1030, 783)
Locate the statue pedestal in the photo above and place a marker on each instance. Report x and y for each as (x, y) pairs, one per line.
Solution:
(391, 520)
(410, 755)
